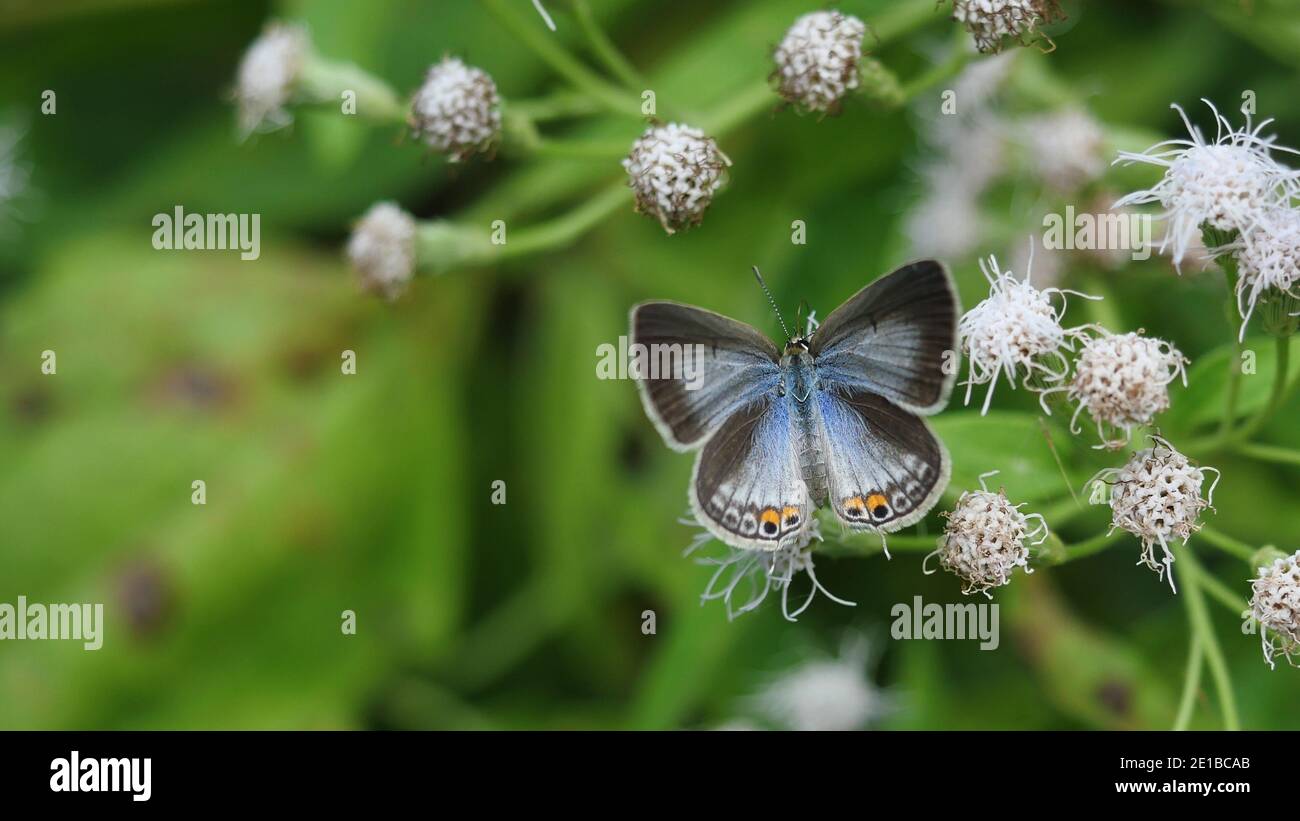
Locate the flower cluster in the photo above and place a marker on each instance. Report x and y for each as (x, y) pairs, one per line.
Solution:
(976, 141)
(457, 111)
(1276, 606)
(990, 22)
(1017, 332)
(1268, 262)
(268, 77)
(824, 694)
(986, 538)
(675, 170)
(1122, 380)
(968, 147)
(1066, 148)
(1156, 496)
(1230, 184)
(817, 60)
(756, 573)
(382, 249)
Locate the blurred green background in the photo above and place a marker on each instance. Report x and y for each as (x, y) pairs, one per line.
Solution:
(372, 492)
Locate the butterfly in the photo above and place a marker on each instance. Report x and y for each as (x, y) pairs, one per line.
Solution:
(834, 419)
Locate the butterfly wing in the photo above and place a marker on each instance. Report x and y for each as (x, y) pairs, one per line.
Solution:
(885, 469)
(891, 338)
(730, 366)
(747, 488)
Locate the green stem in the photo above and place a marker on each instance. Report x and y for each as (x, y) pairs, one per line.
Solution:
(446, 245)
(1276, 398)
(555, 106)
(738, 108)
(604, 48)
(565, 229)
(1220, 593)
(548, 49)
(1234, 388)
(1093, 545)
(1191, 683)
(1270, 453)
(958, 58)
(868, 544)
(1226, 543)
(1199, 617)
(1282, 389)
(1229, 265)
(589, 149)
(323, 83)
(903, 18)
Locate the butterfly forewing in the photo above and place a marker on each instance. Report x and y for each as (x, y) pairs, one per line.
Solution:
(727, 365)
(894, 338)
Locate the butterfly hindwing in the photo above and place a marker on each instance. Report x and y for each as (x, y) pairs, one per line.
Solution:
(747, 488)
(731, 365)
(885, 468)
(892, 338)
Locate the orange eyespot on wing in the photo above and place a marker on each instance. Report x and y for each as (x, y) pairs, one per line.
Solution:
(854, 508)
(858, 509)
(790, 517)
(769, 522)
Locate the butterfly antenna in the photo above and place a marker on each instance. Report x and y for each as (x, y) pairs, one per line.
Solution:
(772, 302)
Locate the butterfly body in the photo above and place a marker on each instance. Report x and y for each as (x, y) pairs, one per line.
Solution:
(799, 384)
(833, 420)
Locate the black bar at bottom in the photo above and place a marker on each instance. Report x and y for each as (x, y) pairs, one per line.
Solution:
(212, 770)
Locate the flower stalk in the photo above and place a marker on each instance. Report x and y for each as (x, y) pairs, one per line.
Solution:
(446, 245)
(549, 50)
(326, 82)
(1199, 618)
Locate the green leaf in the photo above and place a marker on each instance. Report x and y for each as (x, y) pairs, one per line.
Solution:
(1203, 401)
(1013, 444)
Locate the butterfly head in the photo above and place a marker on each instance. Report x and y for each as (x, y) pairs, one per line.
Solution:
(799, 344)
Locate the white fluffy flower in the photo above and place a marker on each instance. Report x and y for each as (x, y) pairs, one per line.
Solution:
(969, 147)
(755, 573)
(1276, 606)
(817, 60)
(1065, 148)
(944, 225)
(981, 81)
(457, 111)
(985, 539)
(1228, 184)
(1016, 332)
(1122, 380)
(1156, 496)
(989, 21)
(674, 170)
(974, 153)
(1268, 260)
(824, 694)
(268, 77)
(382, 249)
